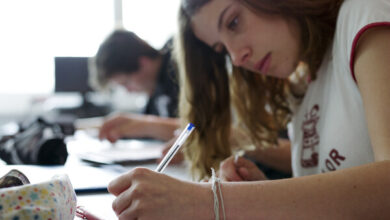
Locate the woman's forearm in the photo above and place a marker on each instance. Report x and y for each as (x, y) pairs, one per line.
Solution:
(357, 193)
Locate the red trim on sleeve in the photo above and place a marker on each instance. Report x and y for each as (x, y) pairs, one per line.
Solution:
(356, 39)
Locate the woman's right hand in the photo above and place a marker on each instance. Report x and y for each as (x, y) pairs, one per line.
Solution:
(240, 169)
(145, 194)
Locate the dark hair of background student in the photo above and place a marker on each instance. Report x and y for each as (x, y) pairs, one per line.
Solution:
(120, 53)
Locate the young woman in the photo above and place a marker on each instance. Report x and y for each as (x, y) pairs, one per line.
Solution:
(340, 125)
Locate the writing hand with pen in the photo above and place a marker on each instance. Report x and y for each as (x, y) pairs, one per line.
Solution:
(145, 194)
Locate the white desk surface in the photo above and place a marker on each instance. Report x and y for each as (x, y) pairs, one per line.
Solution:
(100, 204)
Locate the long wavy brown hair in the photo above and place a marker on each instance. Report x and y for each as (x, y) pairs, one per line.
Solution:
(209, 90)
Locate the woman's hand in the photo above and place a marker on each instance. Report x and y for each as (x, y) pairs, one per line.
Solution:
(144, 194)
(240, 169)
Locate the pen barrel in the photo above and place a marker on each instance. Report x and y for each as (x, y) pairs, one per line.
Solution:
(175, 147)
(164, 163)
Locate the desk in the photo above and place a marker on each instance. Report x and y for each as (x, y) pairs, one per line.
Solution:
(100, 204)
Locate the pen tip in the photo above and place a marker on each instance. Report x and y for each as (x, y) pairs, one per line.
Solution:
(190, 126)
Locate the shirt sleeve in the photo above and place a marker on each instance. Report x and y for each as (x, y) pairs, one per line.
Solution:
(354, 19)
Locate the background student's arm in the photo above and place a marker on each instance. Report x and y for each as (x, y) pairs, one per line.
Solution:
(138, 126)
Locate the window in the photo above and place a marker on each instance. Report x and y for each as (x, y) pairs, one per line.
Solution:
(153, 20)
(34, 32)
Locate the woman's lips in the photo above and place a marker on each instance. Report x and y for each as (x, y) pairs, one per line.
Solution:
(264, 64)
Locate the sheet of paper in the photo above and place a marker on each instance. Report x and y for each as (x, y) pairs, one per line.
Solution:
(92, 149)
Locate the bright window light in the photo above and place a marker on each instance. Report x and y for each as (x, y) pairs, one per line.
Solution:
(155, 21)
(34, 32)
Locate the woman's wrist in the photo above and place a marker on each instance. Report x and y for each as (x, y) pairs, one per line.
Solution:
(205, 202)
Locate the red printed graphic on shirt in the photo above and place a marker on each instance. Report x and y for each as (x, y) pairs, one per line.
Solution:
(311, 139)
(333, 161)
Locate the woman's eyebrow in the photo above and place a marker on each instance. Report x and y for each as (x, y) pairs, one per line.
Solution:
(221, 17)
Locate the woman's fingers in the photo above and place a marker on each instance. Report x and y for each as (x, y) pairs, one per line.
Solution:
(118, 185)
(248, 170)
(244, 173)
(122, 201)
(130, 213)
(228, 171)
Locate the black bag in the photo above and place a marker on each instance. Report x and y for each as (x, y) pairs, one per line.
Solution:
(39, 143)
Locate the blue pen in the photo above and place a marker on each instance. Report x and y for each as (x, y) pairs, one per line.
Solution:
(175, 147)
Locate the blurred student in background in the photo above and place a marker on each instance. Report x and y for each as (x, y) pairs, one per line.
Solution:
(125, 59)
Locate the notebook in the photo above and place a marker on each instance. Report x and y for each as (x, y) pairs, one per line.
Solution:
(127, 151)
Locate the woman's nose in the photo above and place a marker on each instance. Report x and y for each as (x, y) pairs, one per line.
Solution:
(240, 56)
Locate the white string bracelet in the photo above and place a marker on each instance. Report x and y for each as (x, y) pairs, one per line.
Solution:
(214, 189)
(216, 186)
(220, 195)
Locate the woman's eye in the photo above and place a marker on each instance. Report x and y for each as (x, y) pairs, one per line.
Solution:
(233, 24)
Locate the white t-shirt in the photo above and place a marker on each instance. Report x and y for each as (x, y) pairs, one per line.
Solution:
(328, 129)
